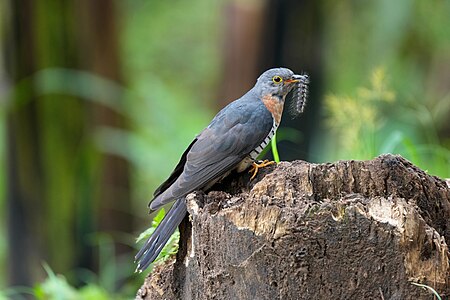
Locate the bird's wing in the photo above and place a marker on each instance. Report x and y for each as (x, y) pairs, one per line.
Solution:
(232, 135)
(175, 173)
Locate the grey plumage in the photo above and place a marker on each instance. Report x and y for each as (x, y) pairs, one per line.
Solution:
(234, 133)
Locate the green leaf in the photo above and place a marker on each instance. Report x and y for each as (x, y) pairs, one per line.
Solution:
(156, 220)
(273, 143)
(172, 244)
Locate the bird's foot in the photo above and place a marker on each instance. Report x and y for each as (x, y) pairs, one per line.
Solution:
(256, 166)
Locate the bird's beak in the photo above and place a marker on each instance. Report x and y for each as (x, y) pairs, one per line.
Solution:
(298, 78)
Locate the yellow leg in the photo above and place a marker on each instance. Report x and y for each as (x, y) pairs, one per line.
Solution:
(255, 167)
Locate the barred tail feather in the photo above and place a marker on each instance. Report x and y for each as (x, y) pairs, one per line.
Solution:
(151, 249)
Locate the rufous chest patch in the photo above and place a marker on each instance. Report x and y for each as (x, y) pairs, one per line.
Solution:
(275, 106)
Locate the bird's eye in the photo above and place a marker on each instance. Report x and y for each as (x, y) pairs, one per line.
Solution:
(277, 79)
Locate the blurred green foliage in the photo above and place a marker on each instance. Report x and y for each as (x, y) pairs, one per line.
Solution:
(386, 73)
(164, 105)
(170, 248)
(408, 41)
(357, 119)
(56, 287)
(171, 59)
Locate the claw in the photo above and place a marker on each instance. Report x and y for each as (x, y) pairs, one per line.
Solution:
(255, 167)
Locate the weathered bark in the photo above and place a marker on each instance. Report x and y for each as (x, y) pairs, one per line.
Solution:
(346, 230)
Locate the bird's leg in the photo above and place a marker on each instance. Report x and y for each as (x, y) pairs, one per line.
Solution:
(256, 166)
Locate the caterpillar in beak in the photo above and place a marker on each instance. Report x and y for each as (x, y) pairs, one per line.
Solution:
(299, 96)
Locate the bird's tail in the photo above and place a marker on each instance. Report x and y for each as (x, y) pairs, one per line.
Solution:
(151, 249)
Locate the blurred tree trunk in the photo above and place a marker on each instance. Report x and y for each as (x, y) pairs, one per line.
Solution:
(53, 164)
(25, 178)
(269, 34)
(244, 25)
(100, 52)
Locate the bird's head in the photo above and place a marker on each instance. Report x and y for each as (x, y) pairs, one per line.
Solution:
(278, 82)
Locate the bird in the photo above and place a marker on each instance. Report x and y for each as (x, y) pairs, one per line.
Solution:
(231, 142)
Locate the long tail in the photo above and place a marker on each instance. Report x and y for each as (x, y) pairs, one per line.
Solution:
(151, 249)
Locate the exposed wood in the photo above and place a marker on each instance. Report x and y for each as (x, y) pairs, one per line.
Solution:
(346, 230)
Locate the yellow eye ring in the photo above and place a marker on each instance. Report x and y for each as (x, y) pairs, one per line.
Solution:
(277, 79)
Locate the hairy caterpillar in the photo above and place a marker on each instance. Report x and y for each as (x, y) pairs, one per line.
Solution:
(299, 96)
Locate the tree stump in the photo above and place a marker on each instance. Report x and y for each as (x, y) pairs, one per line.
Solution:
(344, 230)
